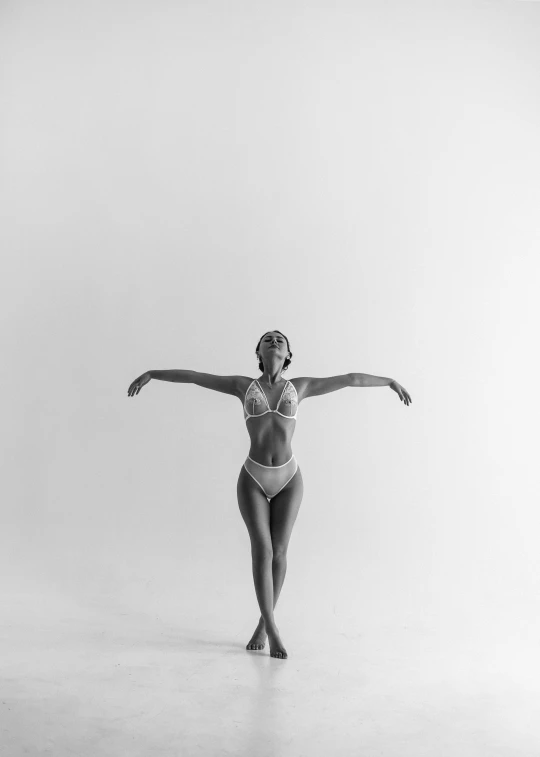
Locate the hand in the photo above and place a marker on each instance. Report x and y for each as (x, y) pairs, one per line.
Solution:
(403, 393)
(138, 384)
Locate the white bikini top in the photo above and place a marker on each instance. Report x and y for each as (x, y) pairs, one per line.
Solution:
(254, 401)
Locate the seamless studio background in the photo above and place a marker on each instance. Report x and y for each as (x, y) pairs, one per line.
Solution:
(178, 179)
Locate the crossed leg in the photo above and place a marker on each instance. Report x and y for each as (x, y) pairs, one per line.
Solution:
(270, 526)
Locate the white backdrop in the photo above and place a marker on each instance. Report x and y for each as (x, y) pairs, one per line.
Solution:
(178, 179)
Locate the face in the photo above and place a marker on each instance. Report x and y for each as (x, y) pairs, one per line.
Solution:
(274, 344)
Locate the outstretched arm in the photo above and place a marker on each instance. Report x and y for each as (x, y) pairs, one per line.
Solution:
(226, 384)
(309, 386)
(364, 379)
(178, 375)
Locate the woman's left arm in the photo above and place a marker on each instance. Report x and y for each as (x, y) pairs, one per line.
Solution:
(364, 379)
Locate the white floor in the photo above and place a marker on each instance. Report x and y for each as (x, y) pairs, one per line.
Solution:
(84, 678)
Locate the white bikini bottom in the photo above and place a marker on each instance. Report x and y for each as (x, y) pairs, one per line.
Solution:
(271, 478)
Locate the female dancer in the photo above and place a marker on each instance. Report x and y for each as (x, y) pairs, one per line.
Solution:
(270, 473)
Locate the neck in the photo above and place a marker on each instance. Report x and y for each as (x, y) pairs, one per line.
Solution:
(272, 376)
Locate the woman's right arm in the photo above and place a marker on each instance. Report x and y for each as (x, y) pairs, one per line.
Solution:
(178, 375)
(175, 374)
(228, 384)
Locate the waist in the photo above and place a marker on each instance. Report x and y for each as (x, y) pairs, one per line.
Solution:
(275, 465)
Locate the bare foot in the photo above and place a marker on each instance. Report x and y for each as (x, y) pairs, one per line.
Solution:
(276, 646)
(258, 639)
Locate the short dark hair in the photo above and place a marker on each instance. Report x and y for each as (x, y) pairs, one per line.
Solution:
(288, 360)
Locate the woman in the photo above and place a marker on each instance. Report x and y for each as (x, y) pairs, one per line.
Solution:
(270, 485)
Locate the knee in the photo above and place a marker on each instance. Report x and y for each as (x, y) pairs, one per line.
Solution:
(262, 552)
(279, 553)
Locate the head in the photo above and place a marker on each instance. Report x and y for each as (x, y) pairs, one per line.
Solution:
(265, 348)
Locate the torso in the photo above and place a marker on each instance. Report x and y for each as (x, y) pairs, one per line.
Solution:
(271, 434)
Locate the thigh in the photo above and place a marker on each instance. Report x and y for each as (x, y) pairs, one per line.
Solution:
(255, 510)
(283, 511)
